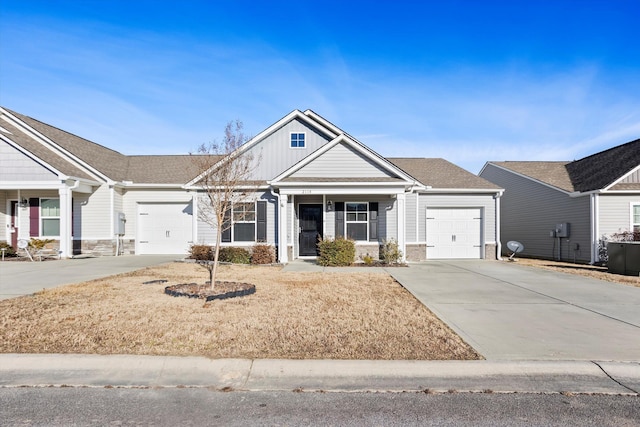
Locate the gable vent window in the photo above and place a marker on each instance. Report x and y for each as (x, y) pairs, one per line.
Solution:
(297, 140)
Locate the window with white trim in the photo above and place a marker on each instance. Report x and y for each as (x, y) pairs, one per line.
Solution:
(49, 217)
(298, 140)
(244, 222)
(635, 217)
(357, 220)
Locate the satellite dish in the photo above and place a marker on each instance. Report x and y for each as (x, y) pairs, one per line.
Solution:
(514, 247)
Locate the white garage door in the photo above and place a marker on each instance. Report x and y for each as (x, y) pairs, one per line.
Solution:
(164, 228)
(454, 233)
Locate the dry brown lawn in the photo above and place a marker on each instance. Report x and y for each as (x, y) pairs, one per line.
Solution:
(591, 271)
(291, 315)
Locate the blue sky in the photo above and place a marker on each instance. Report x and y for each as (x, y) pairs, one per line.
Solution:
(469, 81)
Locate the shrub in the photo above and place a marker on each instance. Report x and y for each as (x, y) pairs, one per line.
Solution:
(9, 250)
(367, 259)
(261, 253)
(338, 252)
(234, 255)
(390, 252)
(201, 252)
(38, 244)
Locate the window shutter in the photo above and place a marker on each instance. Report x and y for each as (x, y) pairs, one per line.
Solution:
(226, 226)
(373, 221)
(34, 217)
(261, 217)
(339, 206)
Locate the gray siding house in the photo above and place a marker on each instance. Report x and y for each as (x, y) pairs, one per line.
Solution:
(309, 178)
(596, 196)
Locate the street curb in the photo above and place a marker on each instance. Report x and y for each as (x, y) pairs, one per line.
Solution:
(40, 370)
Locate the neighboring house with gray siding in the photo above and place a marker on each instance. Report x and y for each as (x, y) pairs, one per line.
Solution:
(596, 196)
(309, 179)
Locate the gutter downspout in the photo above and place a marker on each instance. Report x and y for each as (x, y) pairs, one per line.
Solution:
(498, 242)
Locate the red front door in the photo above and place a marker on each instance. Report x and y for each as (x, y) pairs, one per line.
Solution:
(13, 225)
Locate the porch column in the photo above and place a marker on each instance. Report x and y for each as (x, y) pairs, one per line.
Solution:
(283, 255)
(66, 226)
(402, 217)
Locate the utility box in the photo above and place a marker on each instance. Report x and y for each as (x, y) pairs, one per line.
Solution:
(562, 229)
(120, 223)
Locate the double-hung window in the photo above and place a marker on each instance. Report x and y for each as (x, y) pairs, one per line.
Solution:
(50, 217)
(635, 217)
(244, 222)
(297, 140)
(357, 220)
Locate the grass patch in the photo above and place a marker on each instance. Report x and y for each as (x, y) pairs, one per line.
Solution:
(291, 315)
(585, 270)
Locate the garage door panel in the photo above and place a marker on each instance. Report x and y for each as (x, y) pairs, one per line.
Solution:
(164, 228)
(454, 233)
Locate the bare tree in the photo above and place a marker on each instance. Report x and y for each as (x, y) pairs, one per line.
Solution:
(224, 172)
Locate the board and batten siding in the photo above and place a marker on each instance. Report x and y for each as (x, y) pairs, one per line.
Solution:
(206, 233)
(273, 155)
(16, 166)
(632, 178)
(615, 212)
(92, 215)
(530, 211)
(484, 201)
(341, 161)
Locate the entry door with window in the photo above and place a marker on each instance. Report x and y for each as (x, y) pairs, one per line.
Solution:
(310, 229)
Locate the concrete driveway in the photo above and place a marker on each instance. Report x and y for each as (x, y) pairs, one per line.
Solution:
(25, 278)
(512, 312)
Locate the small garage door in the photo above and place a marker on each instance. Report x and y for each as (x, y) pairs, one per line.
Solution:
(164, 228)
(454, 233)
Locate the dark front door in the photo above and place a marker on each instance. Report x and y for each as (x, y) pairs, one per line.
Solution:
(310, 229)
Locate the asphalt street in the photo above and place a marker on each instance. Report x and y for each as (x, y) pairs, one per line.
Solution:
(201, 406)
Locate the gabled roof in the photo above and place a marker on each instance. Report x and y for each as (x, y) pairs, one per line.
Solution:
(378, 162)
(552, 173)
(43, 155)
(109, 162)
(439, 173)
(595, 172)
(603, 169)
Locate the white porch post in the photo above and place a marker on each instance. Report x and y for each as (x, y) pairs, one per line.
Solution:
(283, 255)
(66, 226)
(402, 217)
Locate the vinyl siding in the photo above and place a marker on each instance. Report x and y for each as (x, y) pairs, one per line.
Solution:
(341, 161)
(615, 212)
(529, 212)
(92, 215)
(411, 204)
(207, 233)
(273, 155)
(5, 211)
(16, 166)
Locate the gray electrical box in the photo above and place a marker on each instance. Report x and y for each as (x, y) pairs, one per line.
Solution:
(562, 229)
(120, 223)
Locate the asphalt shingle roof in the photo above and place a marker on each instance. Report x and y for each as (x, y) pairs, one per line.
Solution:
(440, 173)
(590, 173)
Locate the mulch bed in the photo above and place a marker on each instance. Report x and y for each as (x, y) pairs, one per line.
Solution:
(222, 290)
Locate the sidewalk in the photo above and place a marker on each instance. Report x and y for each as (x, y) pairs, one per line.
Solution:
(41, 370)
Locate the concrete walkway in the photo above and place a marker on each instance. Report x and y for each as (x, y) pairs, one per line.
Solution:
(318, 375)
(512, 312)
(19, 278)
